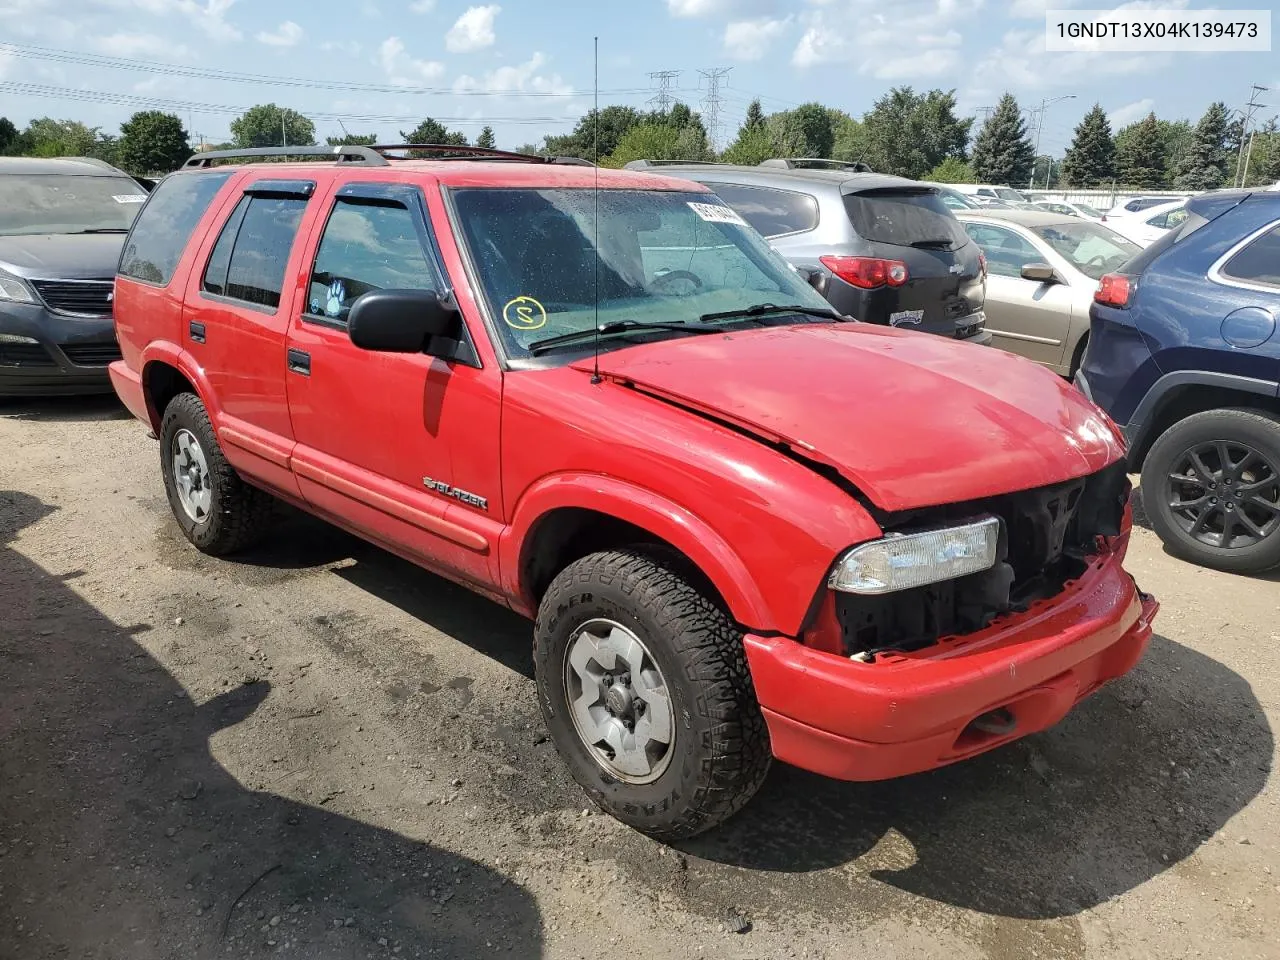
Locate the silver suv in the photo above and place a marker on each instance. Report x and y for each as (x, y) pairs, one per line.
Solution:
(881, 249)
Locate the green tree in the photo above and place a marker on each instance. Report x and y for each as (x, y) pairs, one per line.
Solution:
(1140, 154)
(152, 141)
(647, 141)
(1204, 165)
(952, 170)
(533, 149)
(909, 134)
(61, 138)
(1002, 152)
(1090, 160)
(614, 122)
(352, 140)
(752, 145)
(1176, 135)
(1047, 173)
(1264, 155)
(12, 141)
(433, 131)
(806, 131)
(850, 142)
(755, 116)
(486, 139)
(267, 125)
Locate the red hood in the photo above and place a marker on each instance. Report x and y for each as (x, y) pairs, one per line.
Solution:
(911, 419)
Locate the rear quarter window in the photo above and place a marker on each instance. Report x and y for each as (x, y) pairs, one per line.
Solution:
(771, 212)
(163, 228)
(1258, 263)
(904, 217)
(249, 260)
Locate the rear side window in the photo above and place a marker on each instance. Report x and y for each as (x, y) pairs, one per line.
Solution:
(1190, 224)
(249, 259)
(160, 234)
(771, 212)
(904, 218)
(1259, 262)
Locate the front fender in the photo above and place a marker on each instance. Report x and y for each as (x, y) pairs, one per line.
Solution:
(636, 505)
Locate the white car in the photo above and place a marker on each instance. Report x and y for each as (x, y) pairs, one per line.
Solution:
(1147, 226)
(1070, 207)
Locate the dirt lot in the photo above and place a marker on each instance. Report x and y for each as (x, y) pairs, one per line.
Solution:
(320, 751)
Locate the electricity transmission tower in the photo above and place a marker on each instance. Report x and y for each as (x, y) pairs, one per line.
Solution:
(664, 79)
(1242, 158)
(712, 102)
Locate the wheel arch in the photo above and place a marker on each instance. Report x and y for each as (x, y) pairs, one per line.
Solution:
(167, 372)
(565, 518)
(1176, 396)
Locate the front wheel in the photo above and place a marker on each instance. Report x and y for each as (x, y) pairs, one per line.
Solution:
(1211, 487)
(644, 686)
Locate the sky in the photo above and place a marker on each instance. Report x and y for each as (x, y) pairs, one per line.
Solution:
(526, 66)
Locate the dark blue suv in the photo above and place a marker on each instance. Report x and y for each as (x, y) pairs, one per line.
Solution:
(1184, 354)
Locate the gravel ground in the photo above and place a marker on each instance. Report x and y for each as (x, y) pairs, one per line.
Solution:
(320, 751)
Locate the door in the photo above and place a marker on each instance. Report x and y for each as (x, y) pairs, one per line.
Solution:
(1025, 317)
(403, 448)
(236, 321)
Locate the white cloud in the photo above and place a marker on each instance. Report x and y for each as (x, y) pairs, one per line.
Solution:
(473, 30)
(751, 39)
(8, 64)
(515, 79)
(139, 45)
(695, 8)
(402, 69)
(938, 62)
(210, 17)
(933, 27)
(422, 6)
(288, 34)
(817, 46)
(1123, 116)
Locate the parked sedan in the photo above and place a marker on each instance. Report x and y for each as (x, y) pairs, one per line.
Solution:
(1147, 226)
(1042, 270)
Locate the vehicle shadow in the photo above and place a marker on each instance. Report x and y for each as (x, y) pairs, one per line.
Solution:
(1131, 783)
(79, 409)
(124, 836)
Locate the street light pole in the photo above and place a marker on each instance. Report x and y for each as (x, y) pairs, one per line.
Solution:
(1044, 105)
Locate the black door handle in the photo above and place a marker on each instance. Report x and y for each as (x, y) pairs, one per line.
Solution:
(299, 362)
(197, 332)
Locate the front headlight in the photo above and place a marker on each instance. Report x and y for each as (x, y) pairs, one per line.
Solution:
(902, 561)
(11, 288)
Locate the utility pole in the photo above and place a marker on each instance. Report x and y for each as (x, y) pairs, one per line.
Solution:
(1242, 158)
(664, 79)
(711, 101)
(1044, 106)
(284, 136)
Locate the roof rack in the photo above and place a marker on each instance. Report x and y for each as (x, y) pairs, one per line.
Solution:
(816, 163)
(646, 164)
(375, 155)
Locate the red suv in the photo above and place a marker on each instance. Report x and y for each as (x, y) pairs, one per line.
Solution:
(746, 527)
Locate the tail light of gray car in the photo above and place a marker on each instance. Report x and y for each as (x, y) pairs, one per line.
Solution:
(867, 272)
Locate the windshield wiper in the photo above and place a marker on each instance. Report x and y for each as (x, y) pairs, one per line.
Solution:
(610, 329)
(104, 230)
(940, 244)
(762, 308)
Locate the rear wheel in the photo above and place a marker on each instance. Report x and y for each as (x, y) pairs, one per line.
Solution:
(644, 686)
(217, 511)
(1211, 487)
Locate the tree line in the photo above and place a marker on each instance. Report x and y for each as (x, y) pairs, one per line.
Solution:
(907, 133)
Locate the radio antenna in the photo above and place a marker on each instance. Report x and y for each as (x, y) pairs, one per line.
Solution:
(595, 211)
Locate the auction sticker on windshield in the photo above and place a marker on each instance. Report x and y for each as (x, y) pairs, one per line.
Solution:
(129, 197)
(715, 213)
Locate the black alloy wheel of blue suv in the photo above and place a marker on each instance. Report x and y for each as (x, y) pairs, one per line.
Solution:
(1184, 353)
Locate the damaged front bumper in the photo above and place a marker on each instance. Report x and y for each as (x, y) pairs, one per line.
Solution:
(910, 712)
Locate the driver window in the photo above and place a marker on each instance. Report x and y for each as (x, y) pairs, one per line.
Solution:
(367, 245)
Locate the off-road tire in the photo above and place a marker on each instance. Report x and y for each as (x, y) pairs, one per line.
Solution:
(239, 514)
(721, 746)
(1260, 430)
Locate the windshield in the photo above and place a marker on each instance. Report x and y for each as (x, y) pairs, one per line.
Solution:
(1006, 193)
(59, 203)
(658, 257)
(1087, 210)
(1089, 247)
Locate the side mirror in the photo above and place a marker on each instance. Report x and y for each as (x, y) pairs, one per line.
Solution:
(399, 321)
(1040, 273)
